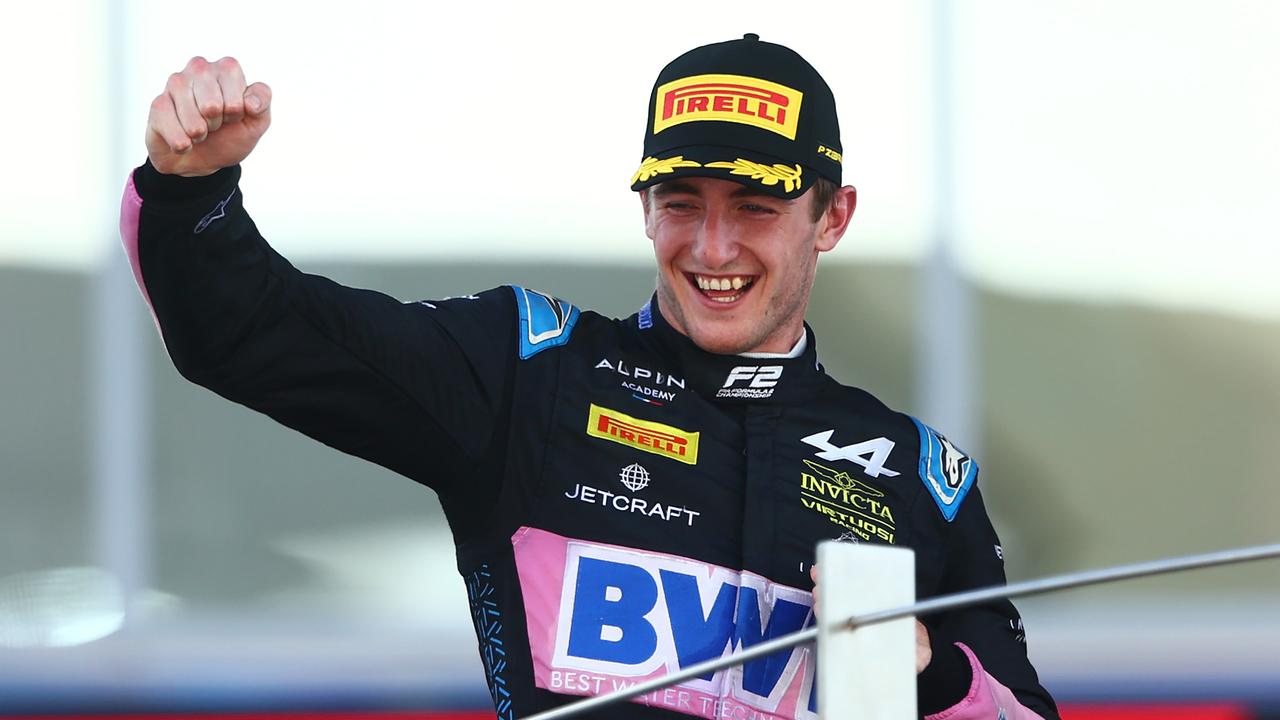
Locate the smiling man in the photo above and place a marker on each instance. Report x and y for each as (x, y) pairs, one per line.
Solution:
(735, 264)
(627, 497)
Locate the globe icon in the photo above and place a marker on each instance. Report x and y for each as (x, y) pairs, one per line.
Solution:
(634, 477)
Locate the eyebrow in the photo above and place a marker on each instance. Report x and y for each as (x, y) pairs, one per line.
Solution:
(676, 187)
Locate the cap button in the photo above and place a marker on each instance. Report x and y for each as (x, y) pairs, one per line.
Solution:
(751, 36)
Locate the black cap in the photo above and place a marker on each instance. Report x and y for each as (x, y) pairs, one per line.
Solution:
(743, 110)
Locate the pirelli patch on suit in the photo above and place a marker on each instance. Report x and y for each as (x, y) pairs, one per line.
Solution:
(651, 437)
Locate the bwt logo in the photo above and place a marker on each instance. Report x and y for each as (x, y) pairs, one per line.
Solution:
(630, 614)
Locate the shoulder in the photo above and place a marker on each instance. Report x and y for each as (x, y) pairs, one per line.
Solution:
(547, 322)
(533, 321)
(946, 471)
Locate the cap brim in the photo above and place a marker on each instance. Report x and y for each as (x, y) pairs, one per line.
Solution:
(755, 170)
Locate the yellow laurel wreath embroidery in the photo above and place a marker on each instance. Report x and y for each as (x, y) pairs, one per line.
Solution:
(766, 174)
(652, 166)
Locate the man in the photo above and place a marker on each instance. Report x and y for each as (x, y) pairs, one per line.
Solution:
(630, 496)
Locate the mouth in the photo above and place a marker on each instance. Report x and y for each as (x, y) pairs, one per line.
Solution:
(723, 289)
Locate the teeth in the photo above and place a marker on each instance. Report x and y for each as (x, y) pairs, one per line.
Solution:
(715, 283)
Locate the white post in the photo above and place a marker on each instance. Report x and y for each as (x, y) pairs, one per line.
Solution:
(869, 673)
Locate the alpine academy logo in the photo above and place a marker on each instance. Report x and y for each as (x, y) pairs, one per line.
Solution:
(652, 437)
(729, 98)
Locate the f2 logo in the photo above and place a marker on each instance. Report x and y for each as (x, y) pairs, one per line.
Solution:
(870, 454)
(764, 376)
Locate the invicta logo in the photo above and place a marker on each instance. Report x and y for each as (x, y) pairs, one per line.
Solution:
(643, 435)
(730, 98)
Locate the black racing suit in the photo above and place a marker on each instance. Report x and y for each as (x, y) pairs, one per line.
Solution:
(622, 502)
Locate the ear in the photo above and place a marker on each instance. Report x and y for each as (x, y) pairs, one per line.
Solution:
(836, 220)
(648, 213)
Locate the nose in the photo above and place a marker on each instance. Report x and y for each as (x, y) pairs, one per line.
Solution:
(716, 244)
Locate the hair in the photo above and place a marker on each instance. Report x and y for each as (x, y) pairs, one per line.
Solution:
(824, 191)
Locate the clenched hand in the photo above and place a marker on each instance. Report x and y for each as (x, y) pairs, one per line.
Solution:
(206, 118)
(924, 652)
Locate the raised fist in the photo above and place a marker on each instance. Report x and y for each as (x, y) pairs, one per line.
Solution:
(206, 119)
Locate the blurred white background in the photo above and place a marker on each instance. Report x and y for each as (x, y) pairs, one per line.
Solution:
(1117, 157)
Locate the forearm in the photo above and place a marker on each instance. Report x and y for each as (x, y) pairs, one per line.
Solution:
(200, 264)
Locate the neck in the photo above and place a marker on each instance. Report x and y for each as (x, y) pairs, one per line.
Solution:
(796, 350)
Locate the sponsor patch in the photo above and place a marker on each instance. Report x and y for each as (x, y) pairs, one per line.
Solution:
(728, 98)
(635, 478)
(653, 387)
(945, 469)
(545, 321)
(754, 382)
(652, 437)
(870, 455)
(848, 503)
(603, 617)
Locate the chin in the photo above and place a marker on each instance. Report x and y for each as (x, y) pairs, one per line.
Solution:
(720, 343)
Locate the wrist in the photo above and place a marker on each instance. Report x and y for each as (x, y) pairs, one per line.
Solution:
(947, 678)
(155, 186)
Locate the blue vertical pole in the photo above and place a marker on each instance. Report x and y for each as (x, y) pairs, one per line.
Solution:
(948, 379)
(119, 407)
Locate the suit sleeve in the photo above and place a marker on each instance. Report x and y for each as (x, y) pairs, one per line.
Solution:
(418, 388)
(986, 643)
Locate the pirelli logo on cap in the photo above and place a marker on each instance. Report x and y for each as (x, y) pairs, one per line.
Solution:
(643, 435)
(731, 98)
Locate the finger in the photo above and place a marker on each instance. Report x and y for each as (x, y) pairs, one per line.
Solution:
(184, 106)
(164, 123)
(924, 651)
(257, 99)
(813, 574)
(232, 85)
(208, 95)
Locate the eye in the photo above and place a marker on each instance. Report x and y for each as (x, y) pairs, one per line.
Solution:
(677, 205)
(756, 208)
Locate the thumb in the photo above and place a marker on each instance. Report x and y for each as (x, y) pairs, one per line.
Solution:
(257, 99)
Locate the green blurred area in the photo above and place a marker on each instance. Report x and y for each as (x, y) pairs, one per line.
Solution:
(1112, 433)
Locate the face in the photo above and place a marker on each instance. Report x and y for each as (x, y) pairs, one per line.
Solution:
(735, 265)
